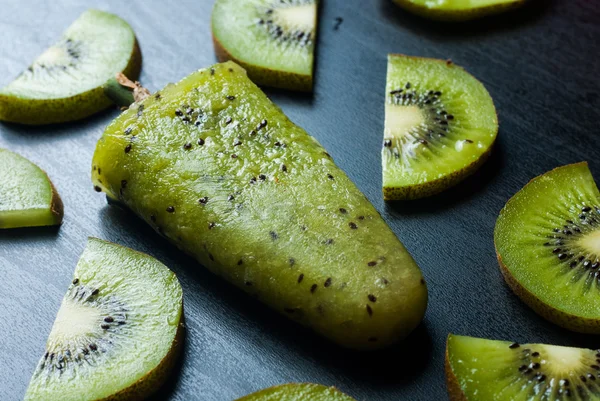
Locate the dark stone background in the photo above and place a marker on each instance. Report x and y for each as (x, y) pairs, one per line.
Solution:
(541, 66)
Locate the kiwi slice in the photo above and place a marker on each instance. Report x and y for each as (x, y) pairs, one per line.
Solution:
(65, 82)
(27, 196)
(440, 125)
(458, 10)
(273, 40)
(117, 333)
(487, 370)
(547, 239)
(221, 172)
(298, 392)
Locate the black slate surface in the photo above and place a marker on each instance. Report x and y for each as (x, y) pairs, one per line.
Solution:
(540, 64)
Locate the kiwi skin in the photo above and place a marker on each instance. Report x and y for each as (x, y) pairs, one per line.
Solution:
(435, 187)
(560, 318)
(266, 76)
(457, 16)
(568, 321)
(455, 393)
(149, 384)
(56, 205)
(51, 111)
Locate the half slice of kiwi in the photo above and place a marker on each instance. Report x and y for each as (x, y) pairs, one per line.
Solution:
(547, 239)
(298, 392)
(487, 370)
(65, 82)
(440, 125)
(27, 196)
(273, 40)
(117, 332)
(458, 10)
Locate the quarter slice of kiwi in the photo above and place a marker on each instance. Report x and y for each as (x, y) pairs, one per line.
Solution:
(117, 333)
(298, 392)
(65, 82)
(27, 196)
(458, 10)
(487, 370)
(547, 239)
(440, 125)
(273, 40)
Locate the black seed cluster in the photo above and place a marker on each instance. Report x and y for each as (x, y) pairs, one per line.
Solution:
(283, 36)
(562, 243)
(74, 353)
(531, 369)
(72, 49)
(439, 120)
(261, 125)
(187, 114)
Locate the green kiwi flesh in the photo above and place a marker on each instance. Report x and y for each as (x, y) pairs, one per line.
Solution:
(273, 40)
(440, 125)
(27, 196)
(298, 392)
(116, 333)
(488, 370)
(65, 82)
(219, 170)
(458, 10)
(547, 239)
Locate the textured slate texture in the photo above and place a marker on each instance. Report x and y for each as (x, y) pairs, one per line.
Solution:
(540, 65)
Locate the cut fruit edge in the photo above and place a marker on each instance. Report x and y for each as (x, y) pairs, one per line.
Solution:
(455, 393)
(265, 76)
(437, 186)
(56, 206)
(157, 377)
(552, 314)
(298, 391)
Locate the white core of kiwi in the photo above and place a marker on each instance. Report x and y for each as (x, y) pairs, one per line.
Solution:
(297, 18)
(558, 360)
(591, 243)
(400, 121)
(74, 321)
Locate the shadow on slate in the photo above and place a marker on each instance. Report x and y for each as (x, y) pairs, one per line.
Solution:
(450, 31)
(51, 132)
(474, 184)
(371, 368)
(284, 97)
(29, 234)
